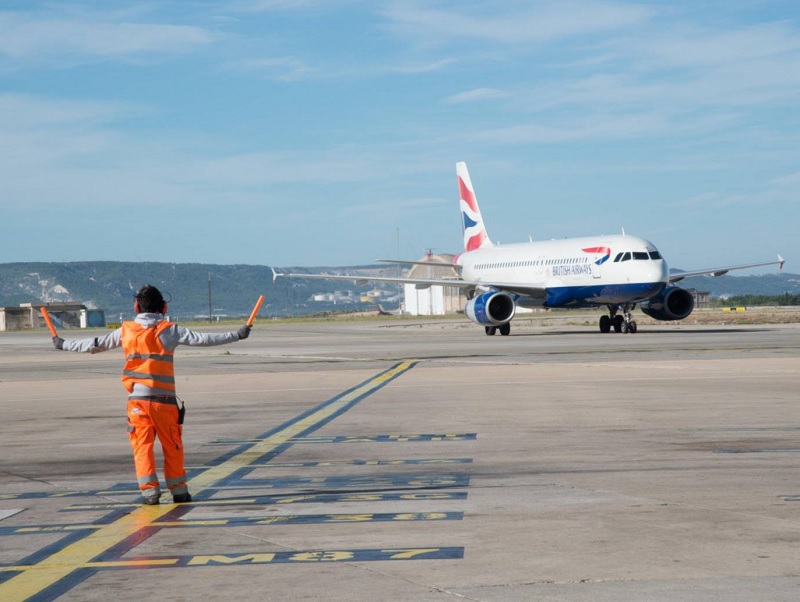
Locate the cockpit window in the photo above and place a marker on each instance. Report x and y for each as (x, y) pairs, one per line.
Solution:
(637, 255)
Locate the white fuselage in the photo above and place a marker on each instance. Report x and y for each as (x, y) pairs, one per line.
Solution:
(574, 271)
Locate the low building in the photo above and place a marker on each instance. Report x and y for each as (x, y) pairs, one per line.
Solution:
(436, 300)
(64, 315)
(702, 299)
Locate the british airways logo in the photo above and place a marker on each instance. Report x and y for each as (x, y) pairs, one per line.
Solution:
(604, 251)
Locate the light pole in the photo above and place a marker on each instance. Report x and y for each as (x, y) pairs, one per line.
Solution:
(209, 297)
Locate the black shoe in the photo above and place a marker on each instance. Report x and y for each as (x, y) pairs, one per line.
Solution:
(151, 501)
(182, 498)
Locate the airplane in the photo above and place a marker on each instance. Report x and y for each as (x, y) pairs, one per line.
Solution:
(618, 272)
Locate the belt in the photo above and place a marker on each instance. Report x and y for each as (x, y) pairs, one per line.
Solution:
(168, 399)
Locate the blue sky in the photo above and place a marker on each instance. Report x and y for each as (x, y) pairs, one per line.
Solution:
(326, 132)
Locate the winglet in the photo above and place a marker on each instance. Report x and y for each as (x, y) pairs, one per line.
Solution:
(781, 261)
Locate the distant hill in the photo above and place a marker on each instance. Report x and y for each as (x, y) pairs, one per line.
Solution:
(109, 285)
(777, 283)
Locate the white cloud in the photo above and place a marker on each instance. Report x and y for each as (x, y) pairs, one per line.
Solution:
(284, 68)
(22, 111)
(523, 23)
(268, 6)
(291, 68)
(424, 67)
(58, 152)
(750, 65)
(477, 94)
(784, 190)
(599, 127)
(37, 135)
(789, 182)
(662, 82)
(693, 47)
(31, 38)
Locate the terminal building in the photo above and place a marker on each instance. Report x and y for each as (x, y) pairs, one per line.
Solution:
(64, 315)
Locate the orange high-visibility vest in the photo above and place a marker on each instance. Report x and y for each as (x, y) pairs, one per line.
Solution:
(146, 360)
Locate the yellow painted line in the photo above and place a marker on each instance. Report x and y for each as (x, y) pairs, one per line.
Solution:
(108, 564)
(155, 562)
(58, 529)
(212, 475)
(112, 506)
(36, 578)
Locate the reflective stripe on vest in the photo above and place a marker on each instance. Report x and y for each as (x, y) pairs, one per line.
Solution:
(150, 356)
(146, 360)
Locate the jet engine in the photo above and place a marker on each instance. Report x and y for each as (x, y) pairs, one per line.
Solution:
(491, 309)
(673, 303)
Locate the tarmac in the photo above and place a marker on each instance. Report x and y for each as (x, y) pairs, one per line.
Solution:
(415, 460)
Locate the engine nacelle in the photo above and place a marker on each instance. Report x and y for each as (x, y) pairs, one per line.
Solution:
(491, 309)
(673, 303)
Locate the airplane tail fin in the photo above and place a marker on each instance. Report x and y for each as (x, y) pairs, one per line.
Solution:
(475, 235)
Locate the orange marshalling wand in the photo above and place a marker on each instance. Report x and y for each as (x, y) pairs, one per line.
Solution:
(48, 321)
(255, 311)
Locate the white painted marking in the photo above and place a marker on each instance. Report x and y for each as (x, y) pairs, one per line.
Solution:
(6, 512)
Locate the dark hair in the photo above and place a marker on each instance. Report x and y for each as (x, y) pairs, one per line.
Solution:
(150, 299)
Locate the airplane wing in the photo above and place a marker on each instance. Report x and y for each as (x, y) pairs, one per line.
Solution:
(441, 264)
(510, 287)
(720, 271)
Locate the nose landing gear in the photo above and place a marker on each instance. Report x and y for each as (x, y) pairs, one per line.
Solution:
(620, 323)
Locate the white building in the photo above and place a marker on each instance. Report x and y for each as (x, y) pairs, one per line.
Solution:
(433, 300)
(64, 315)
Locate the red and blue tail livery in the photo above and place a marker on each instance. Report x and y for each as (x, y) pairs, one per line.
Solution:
(475, 235)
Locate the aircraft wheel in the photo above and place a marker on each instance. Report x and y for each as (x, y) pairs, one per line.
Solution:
(605, 324)
(505, 329)
(623, 328)
(490, 330)
(618, 322)
(632, 328)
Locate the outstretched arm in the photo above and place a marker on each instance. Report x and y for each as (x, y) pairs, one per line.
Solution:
(179, 335)
(90, 344)
(183, 336)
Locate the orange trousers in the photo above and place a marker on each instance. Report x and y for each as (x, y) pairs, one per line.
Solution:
(148, 419)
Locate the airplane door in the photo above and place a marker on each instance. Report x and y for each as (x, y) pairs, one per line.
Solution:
(595, 270)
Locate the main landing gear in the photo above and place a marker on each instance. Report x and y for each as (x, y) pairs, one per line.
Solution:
(504, 329)
(621, 323)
